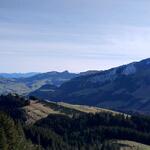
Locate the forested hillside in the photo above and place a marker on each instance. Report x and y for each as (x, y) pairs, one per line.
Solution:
(61, 131)
(12, 135)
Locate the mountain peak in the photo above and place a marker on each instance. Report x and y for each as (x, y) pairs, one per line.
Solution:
(129, 69)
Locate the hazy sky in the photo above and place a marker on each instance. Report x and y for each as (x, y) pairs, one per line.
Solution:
(74, 35)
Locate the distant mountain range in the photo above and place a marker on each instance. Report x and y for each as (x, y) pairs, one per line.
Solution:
(18, 75)
(124, 88)
(26, 85)
(30, 82)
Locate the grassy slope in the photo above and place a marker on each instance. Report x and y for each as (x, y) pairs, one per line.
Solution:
(130, 145)
(86, 109)
(38, 110)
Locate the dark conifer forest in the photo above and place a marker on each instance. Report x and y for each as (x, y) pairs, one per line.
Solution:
(62, 132)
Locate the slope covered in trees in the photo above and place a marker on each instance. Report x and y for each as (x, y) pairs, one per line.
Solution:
(12, 105)
(12, 135)
(77, 131)
(89, 131)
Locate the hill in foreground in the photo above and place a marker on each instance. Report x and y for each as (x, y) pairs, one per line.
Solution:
(62, 126)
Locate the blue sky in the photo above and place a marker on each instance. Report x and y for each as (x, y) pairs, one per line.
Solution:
(74, 35)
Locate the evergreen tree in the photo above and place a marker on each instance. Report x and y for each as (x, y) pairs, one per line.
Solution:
(3, 140)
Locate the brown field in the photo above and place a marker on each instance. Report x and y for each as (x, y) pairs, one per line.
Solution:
(130, 145)
(37, 110)
(87, 109)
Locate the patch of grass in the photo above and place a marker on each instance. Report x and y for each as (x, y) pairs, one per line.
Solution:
(128, 145)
